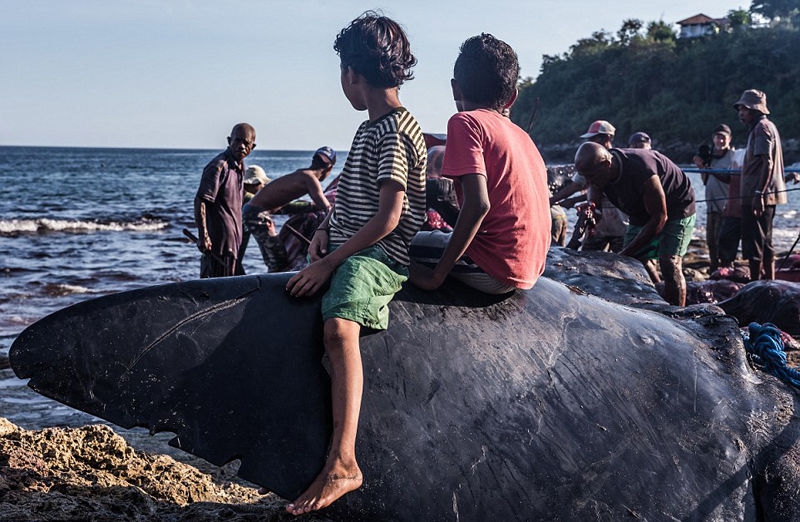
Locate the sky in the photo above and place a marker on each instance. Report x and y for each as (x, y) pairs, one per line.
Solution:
(181, 73)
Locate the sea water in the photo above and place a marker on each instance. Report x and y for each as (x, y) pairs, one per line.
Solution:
(77, 223)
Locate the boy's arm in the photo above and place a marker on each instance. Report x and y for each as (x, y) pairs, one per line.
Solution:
(475, 207)
(314, 189)
(390, 208)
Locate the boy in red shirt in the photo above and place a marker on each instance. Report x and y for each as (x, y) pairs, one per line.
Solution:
(500, 240)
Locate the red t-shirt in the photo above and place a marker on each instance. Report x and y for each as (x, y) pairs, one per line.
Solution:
(511, 245)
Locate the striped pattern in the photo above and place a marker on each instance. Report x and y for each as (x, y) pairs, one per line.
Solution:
(391, 148)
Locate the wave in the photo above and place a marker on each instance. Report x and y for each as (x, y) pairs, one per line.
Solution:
(14, 227)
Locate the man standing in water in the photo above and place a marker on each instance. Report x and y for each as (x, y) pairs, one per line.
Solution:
(218, 205)
(762, 185)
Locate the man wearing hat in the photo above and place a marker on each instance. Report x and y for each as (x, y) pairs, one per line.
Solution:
(283, 190)
(717, 189)
(609, 232)
(640, 140)
(762, 185)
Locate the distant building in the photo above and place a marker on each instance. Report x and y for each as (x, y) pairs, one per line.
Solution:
(701, 25)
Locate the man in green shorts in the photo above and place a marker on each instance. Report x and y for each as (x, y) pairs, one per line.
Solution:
(659, 200)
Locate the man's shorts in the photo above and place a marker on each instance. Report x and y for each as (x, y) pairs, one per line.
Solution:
(673, 240)
(362, 287)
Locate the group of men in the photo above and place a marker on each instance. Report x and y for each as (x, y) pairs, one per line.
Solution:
(233, 204)
(658, 200)
(642, 202)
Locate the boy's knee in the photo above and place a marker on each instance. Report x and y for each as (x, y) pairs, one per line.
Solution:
(339, 332)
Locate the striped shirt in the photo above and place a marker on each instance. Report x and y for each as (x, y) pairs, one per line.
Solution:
(390, 148)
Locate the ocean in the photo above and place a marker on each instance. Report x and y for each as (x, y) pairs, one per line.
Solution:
(77, 223)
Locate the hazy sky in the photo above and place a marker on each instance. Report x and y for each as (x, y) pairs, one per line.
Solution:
(180, 73)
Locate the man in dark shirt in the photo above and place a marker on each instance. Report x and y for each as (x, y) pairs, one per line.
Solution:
(761, 183)
(218, 204)
(659, 201)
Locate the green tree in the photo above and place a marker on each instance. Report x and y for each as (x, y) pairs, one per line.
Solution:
(599, 41)
(675, 90)
(739, 18)
(660, 32)
(629, 30)
(774, 9)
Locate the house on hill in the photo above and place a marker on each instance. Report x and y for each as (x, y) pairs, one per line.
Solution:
(701, 25)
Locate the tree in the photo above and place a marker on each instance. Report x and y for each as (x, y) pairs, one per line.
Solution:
(660, 32)
(600, 40)
(776, 9)
(739, 18)
(629, 30)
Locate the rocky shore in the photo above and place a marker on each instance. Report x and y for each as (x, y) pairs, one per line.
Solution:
(93, 473)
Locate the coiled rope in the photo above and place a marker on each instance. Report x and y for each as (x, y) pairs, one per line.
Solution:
(764, 347)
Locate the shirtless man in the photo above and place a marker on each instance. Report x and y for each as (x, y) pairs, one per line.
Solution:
(281, 191)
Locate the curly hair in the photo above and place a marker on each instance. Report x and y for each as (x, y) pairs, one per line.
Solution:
(377, 48)
(487, 71)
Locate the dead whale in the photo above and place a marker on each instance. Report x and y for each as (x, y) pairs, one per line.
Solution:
(776, 302)
(549, 404)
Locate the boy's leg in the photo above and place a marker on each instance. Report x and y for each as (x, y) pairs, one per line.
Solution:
(341, 473)
(359, 295)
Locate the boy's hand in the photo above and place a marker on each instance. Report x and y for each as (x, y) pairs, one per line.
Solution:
(319, 245)
(310, 279)
(423, 277)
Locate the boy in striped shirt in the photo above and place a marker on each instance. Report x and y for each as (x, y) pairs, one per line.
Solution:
(362, 245)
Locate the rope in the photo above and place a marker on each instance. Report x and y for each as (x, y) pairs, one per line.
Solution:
(744, 197)
(765, 349)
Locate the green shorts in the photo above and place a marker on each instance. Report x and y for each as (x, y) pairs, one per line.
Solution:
(673, 240)
(362, 287)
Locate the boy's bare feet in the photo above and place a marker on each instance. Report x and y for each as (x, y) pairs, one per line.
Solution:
(330, 484)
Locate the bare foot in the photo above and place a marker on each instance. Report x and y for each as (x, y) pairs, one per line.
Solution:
(326, 488)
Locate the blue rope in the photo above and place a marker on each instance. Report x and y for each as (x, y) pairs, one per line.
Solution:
(765, 347)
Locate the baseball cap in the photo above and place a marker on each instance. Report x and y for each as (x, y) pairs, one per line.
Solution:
(722, 129)
(753, 99)
(255, 175)
(638, 137)
(599, 127)
(327, 153)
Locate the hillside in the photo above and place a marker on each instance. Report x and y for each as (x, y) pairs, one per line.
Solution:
(676, 90)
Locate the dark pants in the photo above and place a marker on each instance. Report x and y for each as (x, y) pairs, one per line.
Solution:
(757, 234)
(730, 233)
(713, 227)
(217, 265)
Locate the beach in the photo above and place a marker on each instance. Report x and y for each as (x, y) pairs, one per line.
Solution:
(81, 223)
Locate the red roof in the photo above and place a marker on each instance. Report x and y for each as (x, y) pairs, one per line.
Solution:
(698, 19)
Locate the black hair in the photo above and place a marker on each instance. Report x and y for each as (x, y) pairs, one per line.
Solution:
(487, 71)
(377, 48)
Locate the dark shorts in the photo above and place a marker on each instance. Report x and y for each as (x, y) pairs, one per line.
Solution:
(362, 287)
(673, 240)
(757, 234)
